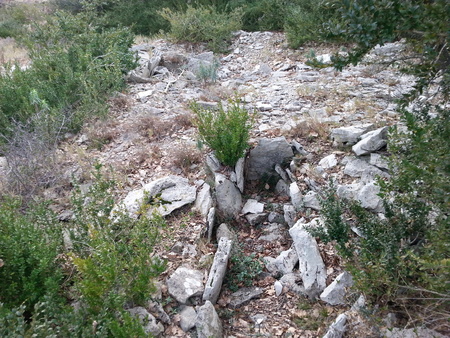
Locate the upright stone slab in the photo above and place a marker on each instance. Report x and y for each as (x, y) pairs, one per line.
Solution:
(266, 155)
(311, 266)
(218, 270)
(228, 197)
(204, 200)
(208, 323)
(334, 294)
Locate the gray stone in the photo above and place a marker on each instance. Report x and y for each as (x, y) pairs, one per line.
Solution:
(369, 199)
(266, 155)
(173, 61)
(255, 219)
(258, 319)
(208, 323)
(311, 266)
(417, 332)
(272, 232)
(275, 217)
(390, 320)
(228, 197)
(244, 295)
(337, 329)
(359, 305)
(296, 196)
(299, 148)
(371, 141)
(224, 232)
(355, 167)
(213, 163)
(218, 270)
(204, 200)
(284, 263)
(310, 200)
(372, 173)
(239, 170)
(185, 283)
(328, 162)
(158, 311)
(290, 214)
(379, 161)
(210, 222)
(173, 191)
(278, 288)
(282, 188)
(280, 171)
(348, 191)
(334, 294)
(148, 322)
(253, 207)
(350, 135)
(293, 282)
(188, 315)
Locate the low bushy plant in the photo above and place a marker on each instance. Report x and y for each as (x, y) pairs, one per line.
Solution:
(243, 270)
(203, 24)
(225, 131)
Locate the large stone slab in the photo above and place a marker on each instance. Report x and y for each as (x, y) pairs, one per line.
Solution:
(244, 295)
(372, 141)
(208, 323)
(334, 294)
(162, 196)
(350, 135)
(185, 283)
(337, 329)
(228, 197)
(266, 155)
(218, 270)
(311, 266)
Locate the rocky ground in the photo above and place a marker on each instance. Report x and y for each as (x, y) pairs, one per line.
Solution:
(150, 136)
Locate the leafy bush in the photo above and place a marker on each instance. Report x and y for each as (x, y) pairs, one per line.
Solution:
(226, 132)
(203, 24)
(104, 265)
(244, 269)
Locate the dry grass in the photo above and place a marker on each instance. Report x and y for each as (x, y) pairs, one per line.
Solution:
(310, 129)
(185, 156)
(101, 133)
(10, 51)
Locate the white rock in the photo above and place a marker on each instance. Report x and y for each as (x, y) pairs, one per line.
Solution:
(370, 142)
(204, 200)
(311, 266)
(296, 196)
(337, 329)
(278, 288)
(252, 207)
(334, 294)
(310, 200)
(148, 322)
(328, 162)
(350, 135)
(239, 170)
(218, 270)
(188, 315)
(208, 323)
(369, 199)
(185, 283)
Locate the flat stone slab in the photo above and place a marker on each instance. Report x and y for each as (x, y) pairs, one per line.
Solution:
(252, 207)
(218, 270)
(334, 294)
(243, 296)
(185, 283)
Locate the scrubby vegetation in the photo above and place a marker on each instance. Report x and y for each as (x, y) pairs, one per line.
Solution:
(76, 279)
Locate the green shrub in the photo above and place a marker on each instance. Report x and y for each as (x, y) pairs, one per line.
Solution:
(29, 245)
(105, 266)
(224, 131)
(203, 24)
(243, 270)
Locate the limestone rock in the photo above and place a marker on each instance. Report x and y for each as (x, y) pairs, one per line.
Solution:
(204, 200)
(293, 282)
(289, 214)
(355, 167)
(218, 270)
(328, 162)
(310, 200)
(284, 263)
(252, 206)
(228, 197)
(224, 232)
(337, 329)
(417, 332)
(369, 199)
(244, 295)
(185, 283)
(370, 142)
(296, 196)
(173, 61)
(311, 266)
(334, 294)
(173, 192)
(255, 219)
(208, 323)
(378, 161)
(147, 320)
(210, 222)
(266, 155)
(239, 170)
(188, 315)
(350, 135)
